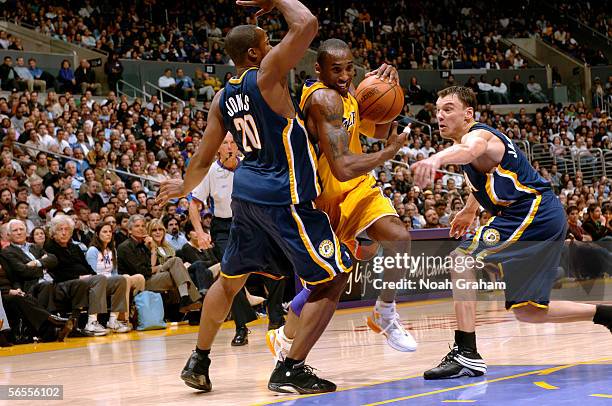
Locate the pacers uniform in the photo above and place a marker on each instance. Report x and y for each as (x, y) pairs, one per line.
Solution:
(525, 236)
(274, 217)
(354, 205)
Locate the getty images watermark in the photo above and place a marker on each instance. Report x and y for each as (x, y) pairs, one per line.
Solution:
(431, 272)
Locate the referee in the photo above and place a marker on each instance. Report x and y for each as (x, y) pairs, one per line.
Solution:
(217, 186)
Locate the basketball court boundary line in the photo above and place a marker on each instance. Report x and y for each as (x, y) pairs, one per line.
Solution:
(545, 371)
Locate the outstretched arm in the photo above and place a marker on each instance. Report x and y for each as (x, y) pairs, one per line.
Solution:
(325, 113)
(203, 158)
(474, 144)
(303, 27)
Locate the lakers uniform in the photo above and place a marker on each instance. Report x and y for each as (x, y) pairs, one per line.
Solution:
(354, 205)
(525, 236)
(275, 224)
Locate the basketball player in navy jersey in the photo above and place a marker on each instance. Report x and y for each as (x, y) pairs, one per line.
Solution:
(525, 209)
(274, 219)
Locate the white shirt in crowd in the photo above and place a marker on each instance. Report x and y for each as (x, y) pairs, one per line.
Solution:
(217, 184)
(165, 82)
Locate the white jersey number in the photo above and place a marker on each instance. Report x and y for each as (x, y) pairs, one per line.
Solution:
(247, 125)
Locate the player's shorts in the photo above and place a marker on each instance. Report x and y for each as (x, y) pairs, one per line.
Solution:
(356, 211)
(284, 238)
(526, 242)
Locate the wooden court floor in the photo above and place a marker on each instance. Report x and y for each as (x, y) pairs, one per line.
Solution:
(528, 364)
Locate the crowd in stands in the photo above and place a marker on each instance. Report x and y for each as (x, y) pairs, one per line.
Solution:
(411, 35)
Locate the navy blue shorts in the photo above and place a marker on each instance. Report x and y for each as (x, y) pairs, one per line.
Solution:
(525, 241)
(294, 238)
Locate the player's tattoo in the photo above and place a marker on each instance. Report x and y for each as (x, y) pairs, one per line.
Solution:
(336, 133)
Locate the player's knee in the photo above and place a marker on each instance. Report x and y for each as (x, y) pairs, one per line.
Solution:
(530, 314)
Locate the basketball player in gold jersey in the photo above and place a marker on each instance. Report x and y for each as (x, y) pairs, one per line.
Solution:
(349, 194)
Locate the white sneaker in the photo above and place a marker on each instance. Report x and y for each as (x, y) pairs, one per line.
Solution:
(391, 327)
(118, 326)
(278, 344)
(95, 328)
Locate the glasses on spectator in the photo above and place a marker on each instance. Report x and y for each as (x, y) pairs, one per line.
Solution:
(157, 229)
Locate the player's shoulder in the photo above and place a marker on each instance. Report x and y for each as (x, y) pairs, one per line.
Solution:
(326, 97)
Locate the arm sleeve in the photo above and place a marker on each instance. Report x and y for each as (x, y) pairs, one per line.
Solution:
(202, 191)
(92, 258)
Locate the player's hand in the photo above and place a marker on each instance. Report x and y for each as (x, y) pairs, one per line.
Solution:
(265, 6)
(169, 189)
(394, 142)
(386, 73)
(204, 240)
(462, 221)
(424, 172)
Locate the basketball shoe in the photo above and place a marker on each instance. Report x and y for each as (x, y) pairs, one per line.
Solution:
(299, 378)
(458, 363)
(195, 373)
(278, 344)
(386, 321)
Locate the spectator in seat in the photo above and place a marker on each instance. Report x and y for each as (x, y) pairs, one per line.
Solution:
(575, 230)
(38, 237)
(36, 200)
(139, 254)
(202, 264)
(39, 74)
(535, 91)
(500, 92)
(518, 93)
(184, 85)
(102, 257)
(166, 82)
(8, 75)
(22, 209)
(86, 78)
(174, 236)
(114, 72)
(66, 79)
(72, 266)
(431, 219)
(595, 224)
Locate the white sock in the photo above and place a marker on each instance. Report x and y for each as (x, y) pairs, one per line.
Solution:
(385, 309)
(91, 318)
(183, 289)
(113, 317)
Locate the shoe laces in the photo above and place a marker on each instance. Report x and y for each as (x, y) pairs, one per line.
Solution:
(395, 325)
(308, 370)
(450, 357)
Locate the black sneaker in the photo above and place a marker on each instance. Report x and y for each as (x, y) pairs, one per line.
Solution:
(300, 379)
(456, 364)
(195, 373)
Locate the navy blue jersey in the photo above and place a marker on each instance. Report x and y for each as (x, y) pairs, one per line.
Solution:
(280, 164)
(513, 180)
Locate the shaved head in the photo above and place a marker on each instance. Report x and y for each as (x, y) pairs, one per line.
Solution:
(239, 40)
(331, 46)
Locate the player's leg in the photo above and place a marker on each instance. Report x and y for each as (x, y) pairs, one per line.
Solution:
(246, 223)
(322, 262)
(215, 309)
(394, 237)
(563, 311)
(314, 318)
(463, 359)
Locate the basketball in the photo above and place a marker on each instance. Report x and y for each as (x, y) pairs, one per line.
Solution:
(379, 102)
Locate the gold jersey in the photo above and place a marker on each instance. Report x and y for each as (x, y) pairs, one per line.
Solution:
(333, 189)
